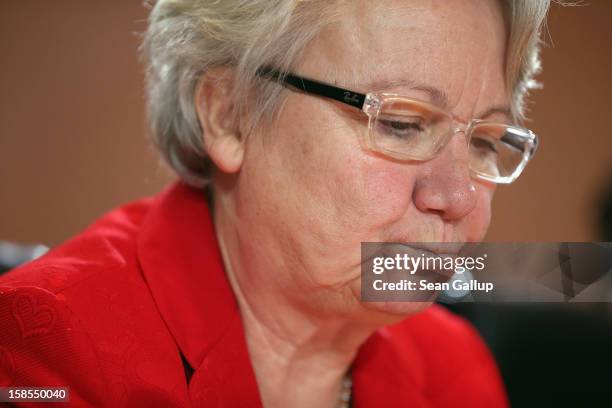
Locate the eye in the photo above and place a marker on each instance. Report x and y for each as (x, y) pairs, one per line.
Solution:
(401, 128)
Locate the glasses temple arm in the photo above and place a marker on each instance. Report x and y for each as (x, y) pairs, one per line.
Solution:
(312, 87)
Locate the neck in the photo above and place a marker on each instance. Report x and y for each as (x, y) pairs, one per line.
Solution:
(299, 358)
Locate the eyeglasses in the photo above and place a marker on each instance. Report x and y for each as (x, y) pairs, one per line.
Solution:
(407, 129)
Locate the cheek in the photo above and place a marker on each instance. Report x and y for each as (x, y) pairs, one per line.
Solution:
(356, 197)
(349, 192)
(360, 193)
(384, 193)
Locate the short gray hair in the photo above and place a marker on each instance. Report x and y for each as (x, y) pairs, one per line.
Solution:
(185, 38)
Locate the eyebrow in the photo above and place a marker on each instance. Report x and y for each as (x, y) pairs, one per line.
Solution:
(438, 97)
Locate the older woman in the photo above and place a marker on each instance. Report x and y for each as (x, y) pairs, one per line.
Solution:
(299, 129)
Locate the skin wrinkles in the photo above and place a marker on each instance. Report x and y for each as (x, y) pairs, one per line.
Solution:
(432, 225)
(291, 219)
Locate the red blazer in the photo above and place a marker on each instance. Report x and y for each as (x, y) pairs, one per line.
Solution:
(121, 312)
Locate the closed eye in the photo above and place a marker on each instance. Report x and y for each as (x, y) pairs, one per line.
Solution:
(400, 128)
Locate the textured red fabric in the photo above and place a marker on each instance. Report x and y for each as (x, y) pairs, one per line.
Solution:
(110, 312)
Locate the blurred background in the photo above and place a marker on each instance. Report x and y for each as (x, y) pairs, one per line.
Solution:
(73, 140)
(73, 145)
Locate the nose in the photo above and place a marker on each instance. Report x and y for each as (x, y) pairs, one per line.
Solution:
(445, 186)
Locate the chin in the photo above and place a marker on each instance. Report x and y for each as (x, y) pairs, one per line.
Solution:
(391, 312)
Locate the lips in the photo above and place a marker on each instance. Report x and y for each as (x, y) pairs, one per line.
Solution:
(408, 264)
(437, 248)
(414, 260)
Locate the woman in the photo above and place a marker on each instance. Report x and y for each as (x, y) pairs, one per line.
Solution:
(312, 126)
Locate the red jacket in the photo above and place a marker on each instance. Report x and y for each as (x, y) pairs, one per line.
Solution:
(121, 312)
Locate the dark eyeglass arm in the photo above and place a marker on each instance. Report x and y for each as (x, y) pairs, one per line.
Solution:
(310, 86)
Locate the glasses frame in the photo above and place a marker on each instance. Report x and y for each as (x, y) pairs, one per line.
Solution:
(371, 104)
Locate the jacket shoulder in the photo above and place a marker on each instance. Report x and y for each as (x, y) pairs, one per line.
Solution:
(42, 344)
(106, 246)
(82, 315)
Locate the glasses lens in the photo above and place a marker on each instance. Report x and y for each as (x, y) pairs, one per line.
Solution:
(408, 129)
(498, 151)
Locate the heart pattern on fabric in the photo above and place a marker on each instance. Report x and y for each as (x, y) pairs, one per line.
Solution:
(33, 318)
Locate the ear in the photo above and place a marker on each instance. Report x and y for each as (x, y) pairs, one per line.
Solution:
(221, 136)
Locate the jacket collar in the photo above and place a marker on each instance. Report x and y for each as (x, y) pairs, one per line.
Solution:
(182, 265)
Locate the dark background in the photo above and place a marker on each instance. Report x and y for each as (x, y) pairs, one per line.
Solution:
(73, 145)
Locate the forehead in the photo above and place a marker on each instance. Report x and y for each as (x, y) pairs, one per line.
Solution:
(456, 47)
